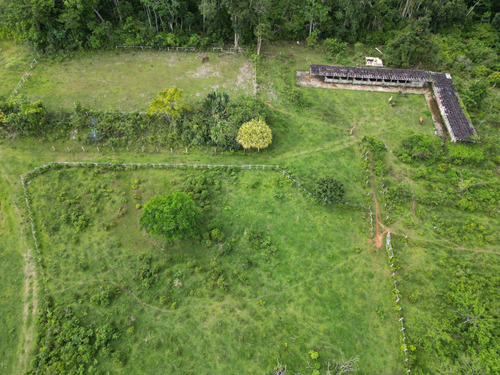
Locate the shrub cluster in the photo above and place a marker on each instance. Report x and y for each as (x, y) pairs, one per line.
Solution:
(214, 122)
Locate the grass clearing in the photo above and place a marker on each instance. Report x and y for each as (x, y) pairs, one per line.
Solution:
(14, 62)
(269, 292)
(127, 81)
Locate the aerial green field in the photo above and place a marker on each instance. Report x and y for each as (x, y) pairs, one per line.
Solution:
(288, 275)
(263, 290)
(127, 81)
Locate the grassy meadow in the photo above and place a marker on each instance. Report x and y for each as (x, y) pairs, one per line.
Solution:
(127, 81)
(265, 291)
(288, 276)
(14, 62)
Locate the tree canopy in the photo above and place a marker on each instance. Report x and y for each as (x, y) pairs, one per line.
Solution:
(169, 103)
(84, 24)
(255, 134)
(171, 216)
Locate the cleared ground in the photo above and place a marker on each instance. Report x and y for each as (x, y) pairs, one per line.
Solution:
(125, 80)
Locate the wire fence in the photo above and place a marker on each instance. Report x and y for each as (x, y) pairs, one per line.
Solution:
(184, 49)
(26, 179)
(397, 298)
(24, 77)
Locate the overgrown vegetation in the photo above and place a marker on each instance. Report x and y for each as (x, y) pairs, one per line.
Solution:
(329, 190)
(171, 216)
(83, 25)
(199, 125)
(235, 270)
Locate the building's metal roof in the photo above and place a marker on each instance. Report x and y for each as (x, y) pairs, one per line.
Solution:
(370, 73)
(447, 95)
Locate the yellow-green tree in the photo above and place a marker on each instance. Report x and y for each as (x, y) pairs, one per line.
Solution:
(255, 134)
(168, 103)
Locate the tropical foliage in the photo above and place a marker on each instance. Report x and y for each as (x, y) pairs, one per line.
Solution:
(329, 190)
(255, 134)
(91, 24)
(171, 216)
(169, 104)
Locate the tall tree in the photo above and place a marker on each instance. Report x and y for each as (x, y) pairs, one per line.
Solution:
(314, 12)
(411, 45)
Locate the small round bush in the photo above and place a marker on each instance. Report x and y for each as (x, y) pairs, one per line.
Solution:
(330, 190)
(171, 216)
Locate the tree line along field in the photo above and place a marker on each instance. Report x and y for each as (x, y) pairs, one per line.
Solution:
(340, 280)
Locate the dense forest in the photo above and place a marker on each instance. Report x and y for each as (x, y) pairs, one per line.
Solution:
(84, 24)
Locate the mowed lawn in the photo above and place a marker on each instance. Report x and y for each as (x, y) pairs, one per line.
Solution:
(310, 283)
(128, 80)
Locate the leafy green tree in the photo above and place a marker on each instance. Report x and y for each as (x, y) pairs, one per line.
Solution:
(224, 134)
(255, 134)
(245, 109)
(315, 12)
(419, 147)
(412, 45)
(494, 79)
(240, 14)
(169, 104)
(171, 216)
(329, 189)
(216, 103)
(475, 94)
(262, 32)
(28, 118)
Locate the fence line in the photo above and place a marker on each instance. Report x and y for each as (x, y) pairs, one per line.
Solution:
(185, 49)
(25, 75)
(390, 258)
(397, 298)
(25, 179)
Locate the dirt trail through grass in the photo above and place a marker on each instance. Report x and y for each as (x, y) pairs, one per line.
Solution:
(30, 296)
(378, 236)
(135, 297)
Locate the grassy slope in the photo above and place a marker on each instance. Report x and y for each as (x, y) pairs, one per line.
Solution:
(14, 61)
(11, 281)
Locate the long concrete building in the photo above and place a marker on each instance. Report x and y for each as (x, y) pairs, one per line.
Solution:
(458, 124)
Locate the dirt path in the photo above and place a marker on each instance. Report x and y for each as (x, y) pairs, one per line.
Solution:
(378, 240)
(413, 208)
(30, 297)
(273, 107)
(136, 298)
